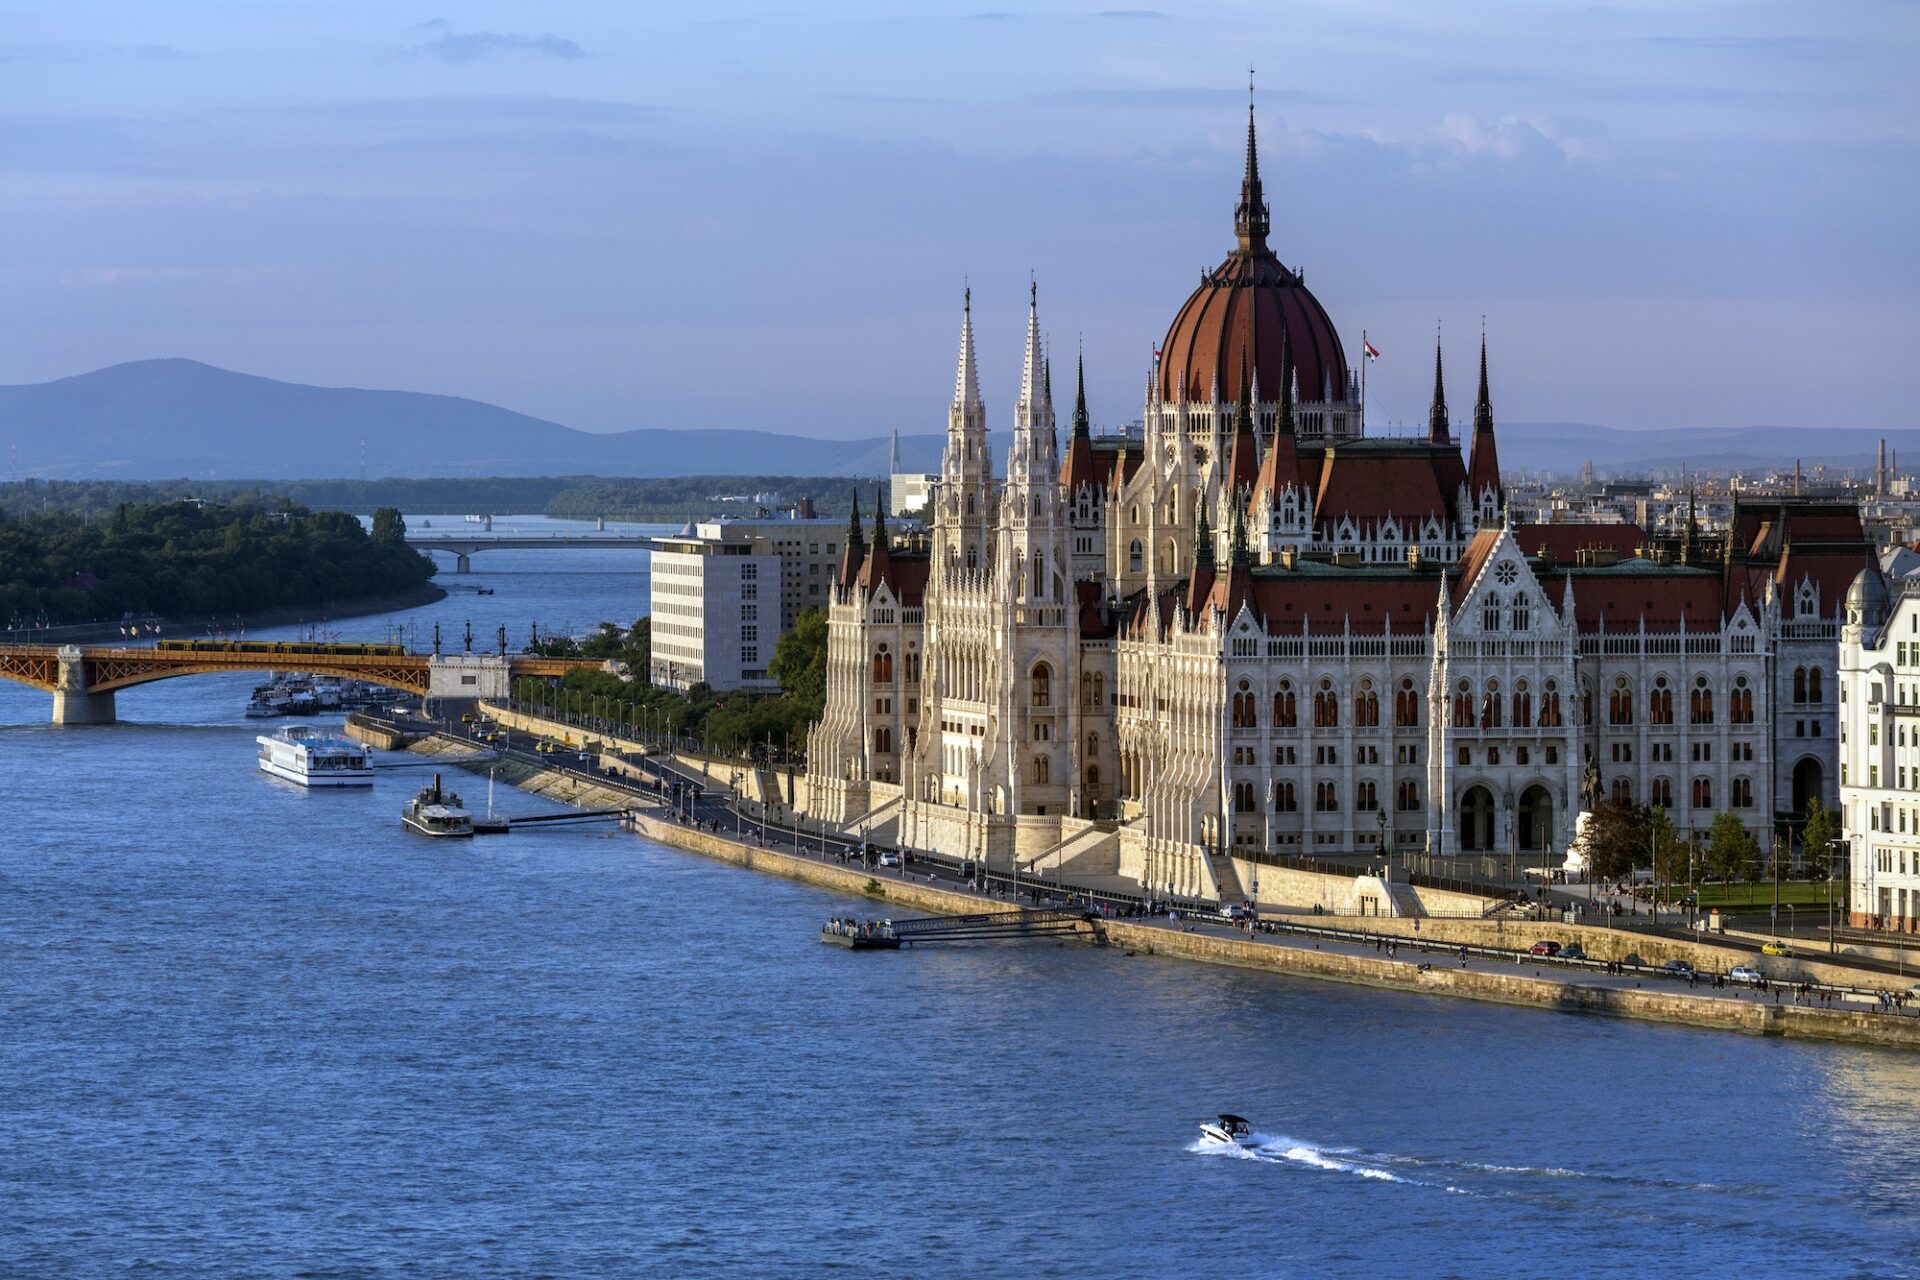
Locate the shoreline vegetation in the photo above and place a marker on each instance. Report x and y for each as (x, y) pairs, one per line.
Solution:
(765, 726)
(653, 500)
(195, 565)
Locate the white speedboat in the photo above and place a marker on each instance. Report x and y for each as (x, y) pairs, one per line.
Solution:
(1228, 1131)
(437, 813)
(315, 759)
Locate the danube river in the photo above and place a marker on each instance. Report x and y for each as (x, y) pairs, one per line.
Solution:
(252, 1031)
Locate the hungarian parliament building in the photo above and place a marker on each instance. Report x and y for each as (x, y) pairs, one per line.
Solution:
(1249, 628)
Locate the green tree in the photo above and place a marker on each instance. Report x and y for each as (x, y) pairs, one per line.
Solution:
(1816, 839)
(800, 660)
(1671, 854)
(1732, 852)
(389, 526)
(1616, 839)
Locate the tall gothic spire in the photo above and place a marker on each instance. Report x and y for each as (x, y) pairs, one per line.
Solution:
(1251, 220)
(966, 379)
(855, 550)
(1437, 429)
(1033, 367)
(1202, 541)
(1081, 425)
(1483, 407)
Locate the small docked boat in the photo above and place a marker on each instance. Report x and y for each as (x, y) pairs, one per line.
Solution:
(1228, 1131)
(315, 759)
(437, 813)
(860, 935)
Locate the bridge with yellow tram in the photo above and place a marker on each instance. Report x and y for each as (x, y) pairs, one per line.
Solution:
(84, 678)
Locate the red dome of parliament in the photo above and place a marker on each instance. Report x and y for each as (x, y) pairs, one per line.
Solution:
(1243, 306)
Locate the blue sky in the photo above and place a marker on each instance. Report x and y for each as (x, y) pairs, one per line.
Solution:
(761, 215)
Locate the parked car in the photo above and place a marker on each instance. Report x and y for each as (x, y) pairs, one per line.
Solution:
(1545, 947)
(1234, 911)
(1776, 949)
(890, 857)
(1743, 973)
(1573, 951)
(1677, 969)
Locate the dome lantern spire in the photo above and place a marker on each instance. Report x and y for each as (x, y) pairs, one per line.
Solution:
(1251, 219)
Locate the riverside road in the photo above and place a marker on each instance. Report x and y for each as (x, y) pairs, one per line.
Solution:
(702, 803)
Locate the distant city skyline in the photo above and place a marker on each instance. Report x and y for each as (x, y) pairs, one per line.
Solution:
(763, 217)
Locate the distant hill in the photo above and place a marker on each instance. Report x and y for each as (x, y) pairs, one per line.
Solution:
(179, 418)
(155, 419)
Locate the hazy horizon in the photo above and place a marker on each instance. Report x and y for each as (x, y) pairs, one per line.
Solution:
(763, 218)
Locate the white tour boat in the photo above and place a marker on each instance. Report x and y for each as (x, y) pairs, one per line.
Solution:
(1229, 1131)
(437, 813)
(315, 759)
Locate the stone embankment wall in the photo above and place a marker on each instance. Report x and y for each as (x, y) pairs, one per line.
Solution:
(1601, 943)
(361, 729)
(1752, 1017)
(1674, 1006)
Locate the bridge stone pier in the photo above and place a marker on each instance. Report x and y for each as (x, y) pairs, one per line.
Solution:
(470, 675)
(73, 703)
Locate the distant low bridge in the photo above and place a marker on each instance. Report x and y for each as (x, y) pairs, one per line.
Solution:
(463, 547)
(83, 679)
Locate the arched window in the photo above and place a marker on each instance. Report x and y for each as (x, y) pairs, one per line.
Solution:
(1099, 689)
(883, 740)
(1799, 684)
(1326, 798)
(1041, 769)
(1326, 707)
(1365, 799)
(1406, 706)
(1622, 791)
(1814, 693)
(1700, 702)
(1136, 557)
(1662, 793)
(1703, 793)
(1463, 706)
(1550, 707)
(1093, 746)
(1284, 801)
(1522, 613)
(1285, 713)
(1620, 702)
(882, 666)
(1660, 702)
(1490, 706)
(972, 557)
(1522, 705)
(1366, 706)
(912, 664)
(1043, 685)
(1740, 702)
(1490, 614)
(1743, 793)
(1407, 796)
(1243, 712)
(1243, 797)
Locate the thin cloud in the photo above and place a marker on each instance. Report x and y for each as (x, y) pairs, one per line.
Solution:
(1153, 14)
(462, 47)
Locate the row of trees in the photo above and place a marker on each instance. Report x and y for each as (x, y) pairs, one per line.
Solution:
(194, 559)
(1624, 837)
(732, 722)
(671, 498)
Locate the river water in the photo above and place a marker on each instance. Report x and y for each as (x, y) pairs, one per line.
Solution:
(254, 1031)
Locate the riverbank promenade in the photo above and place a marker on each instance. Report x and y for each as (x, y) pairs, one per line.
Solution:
(1624, 973)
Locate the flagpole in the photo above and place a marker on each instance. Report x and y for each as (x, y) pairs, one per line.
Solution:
(1364, 362)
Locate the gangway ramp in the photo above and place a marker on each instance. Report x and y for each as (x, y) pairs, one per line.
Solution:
(991, 926)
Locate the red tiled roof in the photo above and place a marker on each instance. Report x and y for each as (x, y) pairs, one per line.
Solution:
(1565, 542)
(1367, 604)
(1619, 597)
(1407, 481)
(1245, 303)
(1475, 557)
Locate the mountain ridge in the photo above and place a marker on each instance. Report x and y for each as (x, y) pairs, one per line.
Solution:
(174, 416)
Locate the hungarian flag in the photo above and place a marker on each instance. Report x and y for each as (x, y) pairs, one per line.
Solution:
(1373, 352)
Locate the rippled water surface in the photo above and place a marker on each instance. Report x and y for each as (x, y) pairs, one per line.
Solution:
(255, 1031)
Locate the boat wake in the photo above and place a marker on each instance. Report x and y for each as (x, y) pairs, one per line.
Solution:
(1270, 1148)
(1382, 1166)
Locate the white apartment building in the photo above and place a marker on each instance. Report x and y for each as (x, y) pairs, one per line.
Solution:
(1880, 753)
(725, 590)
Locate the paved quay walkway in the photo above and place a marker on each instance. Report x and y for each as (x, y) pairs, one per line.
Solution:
(680, 801)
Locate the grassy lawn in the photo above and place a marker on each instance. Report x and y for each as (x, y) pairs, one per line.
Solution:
(1758, 897)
